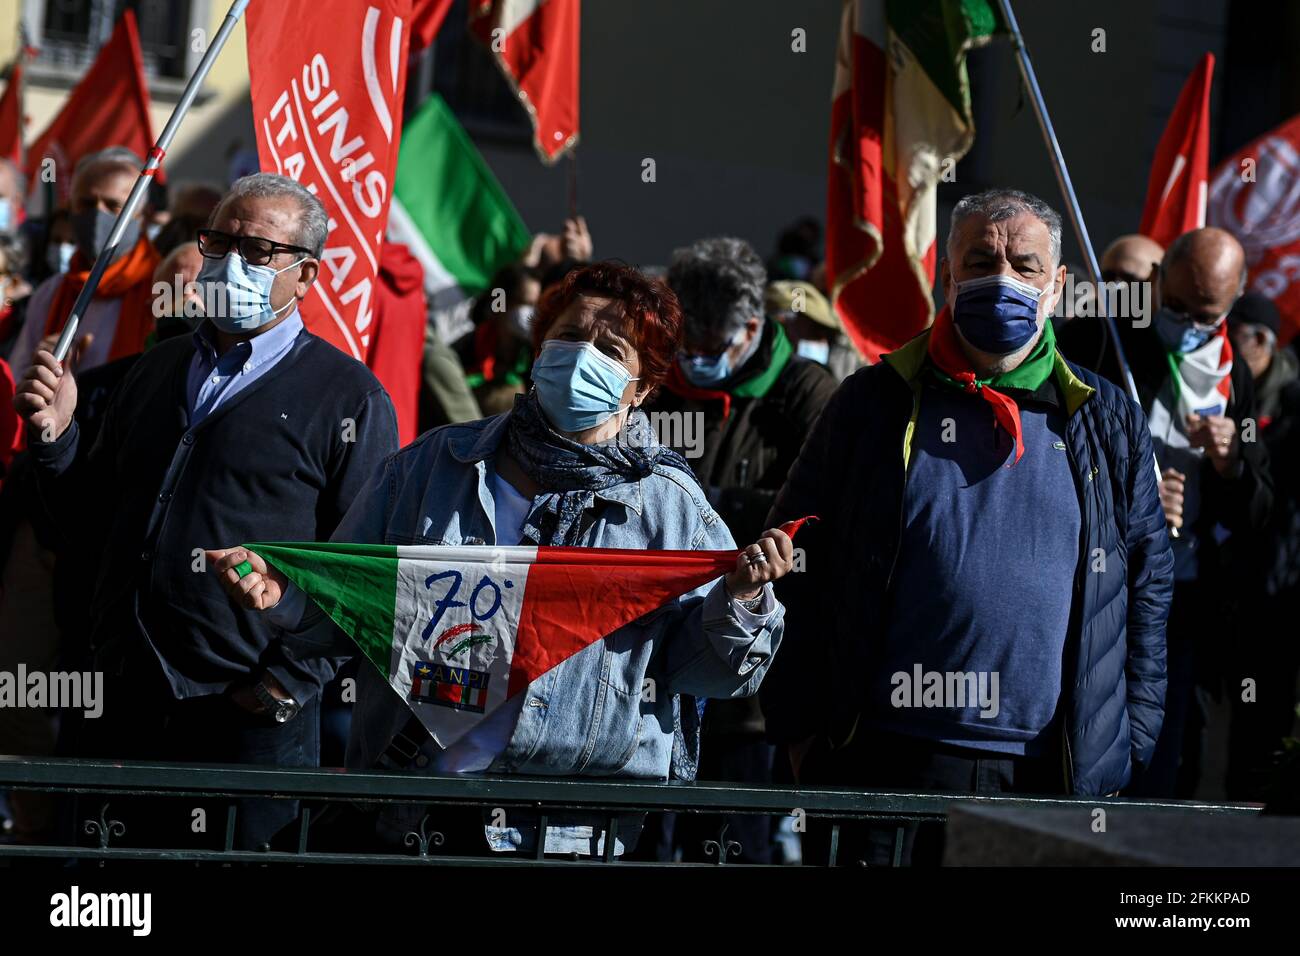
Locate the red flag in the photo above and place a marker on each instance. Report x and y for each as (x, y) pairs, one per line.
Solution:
(328, 113)
(535, 42)
(397, 349)
(898, 123)
(426, 18)
(11, 119)
(1176, 191)
(109, 107)
(1255, 195)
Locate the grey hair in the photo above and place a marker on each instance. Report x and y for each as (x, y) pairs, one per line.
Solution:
(719, 283)
(114, 155)
(313, 223)
(999, 205)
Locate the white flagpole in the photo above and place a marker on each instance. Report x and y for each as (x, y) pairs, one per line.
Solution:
(141, 187)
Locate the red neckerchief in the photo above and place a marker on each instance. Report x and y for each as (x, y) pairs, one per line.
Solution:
(677, 384)
(948, 357)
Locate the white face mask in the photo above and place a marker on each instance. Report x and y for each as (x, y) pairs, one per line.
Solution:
(818, 351)
(59, 256)
(242, 293)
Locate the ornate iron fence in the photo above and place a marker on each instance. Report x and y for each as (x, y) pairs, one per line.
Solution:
(98, 785)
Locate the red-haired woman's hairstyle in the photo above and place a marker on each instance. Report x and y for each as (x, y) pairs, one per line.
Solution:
(655, 325)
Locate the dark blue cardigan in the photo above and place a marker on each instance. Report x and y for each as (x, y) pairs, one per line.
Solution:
(280, 461)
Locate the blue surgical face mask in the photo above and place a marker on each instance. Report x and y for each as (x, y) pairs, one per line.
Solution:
(1179, 334)
(578, 386)
(705, 370)
(7, 215)
(818, 351)
(240, 293)
(59, 256)
(997, 314)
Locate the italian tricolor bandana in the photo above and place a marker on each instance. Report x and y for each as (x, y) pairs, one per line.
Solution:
(953, 368)
(457, 631)
(1201, 380)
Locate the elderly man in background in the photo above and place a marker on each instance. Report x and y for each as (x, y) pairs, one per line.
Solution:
(1215, 481)
(1131, 258)
(985, 597)
(119, 317)
(744, 402)
(249, 427)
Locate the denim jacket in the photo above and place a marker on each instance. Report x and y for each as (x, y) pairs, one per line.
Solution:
(608, 710)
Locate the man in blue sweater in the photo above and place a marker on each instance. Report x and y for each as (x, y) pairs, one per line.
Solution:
(250, 428)
(993, 511)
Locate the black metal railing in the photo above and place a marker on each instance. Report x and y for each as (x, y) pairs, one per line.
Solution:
(98, 786)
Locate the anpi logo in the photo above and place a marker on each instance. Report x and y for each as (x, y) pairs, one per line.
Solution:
(1268, 215)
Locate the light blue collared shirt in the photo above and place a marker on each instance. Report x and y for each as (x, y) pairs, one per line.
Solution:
(214, 378)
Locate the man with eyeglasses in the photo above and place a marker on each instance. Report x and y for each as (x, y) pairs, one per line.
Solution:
(1200, 405)
(248, 428)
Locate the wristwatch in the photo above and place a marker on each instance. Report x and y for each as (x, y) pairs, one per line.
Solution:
(281, 710)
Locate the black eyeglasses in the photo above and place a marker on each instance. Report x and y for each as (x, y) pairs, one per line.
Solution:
(255, 250)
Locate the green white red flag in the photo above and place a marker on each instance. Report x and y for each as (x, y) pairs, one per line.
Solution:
(449, 209)
(900, 117)
(459, 630)
(536, 44)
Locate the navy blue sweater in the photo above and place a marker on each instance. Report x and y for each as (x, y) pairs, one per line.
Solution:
(993, 549)
(280, 461)
(851, 473)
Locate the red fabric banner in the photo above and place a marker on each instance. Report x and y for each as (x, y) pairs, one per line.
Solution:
(327, 108)
(1176, 192)
(11, 119)
(109, 107)
(1255, 195)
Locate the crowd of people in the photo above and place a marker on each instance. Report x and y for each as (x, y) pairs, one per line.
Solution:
(1004, 592)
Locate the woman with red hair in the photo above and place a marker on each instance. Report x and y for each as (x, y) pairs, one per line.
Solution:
(576, 463)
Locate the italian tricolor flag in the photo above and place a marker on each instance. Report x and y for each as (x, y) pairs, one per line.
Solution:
(459, 630)
(900, 118)
(449, 209)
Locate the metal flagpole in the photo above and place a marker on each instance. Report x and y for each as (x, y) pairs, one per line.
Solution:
(573, 183)
(141, 186)
(1072, 203)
